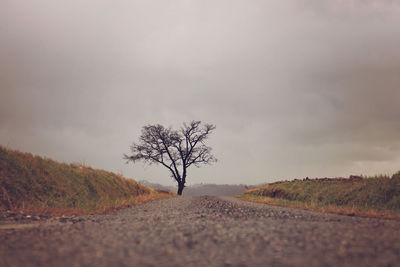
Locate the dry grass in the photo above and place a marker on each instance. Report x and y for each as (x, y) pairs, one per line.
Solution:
(377, 196)
(101, 209)
(31, 184)
(313, 207)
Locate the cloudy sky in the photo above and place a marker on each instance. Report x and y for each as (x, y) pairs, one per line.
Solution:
(296, 88)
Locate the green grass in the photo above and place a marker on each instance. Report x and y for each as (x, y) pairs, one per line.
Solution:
(29, 182)
(360, 195)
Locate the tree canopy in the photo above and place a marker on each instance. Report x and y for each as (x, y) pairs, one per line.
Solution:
(176, 150)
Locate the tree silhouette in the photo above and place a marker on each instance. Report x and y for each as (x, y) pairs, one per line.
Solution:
(176, 150)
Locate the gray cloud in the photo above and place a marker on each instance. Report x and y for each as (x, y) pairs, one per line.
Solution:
(302, 88)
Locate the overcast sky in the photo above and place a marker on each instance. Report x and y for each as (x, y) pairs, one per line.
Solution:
(296, 88)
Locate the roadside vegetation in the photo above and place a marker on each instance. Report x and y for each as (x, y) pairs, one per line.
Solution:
(377, 196)
(36, 185)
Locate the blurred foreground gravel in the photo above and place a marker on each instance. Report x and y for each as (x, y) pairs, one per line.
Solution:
(202, 231)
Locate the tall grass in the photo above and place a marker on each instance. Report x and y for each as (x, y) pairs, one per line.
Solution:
(29, 182)
(379, 193)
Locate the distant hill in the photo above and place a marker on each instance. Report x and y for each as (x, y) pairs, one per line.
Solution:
(156, 186)
(203, 189)
(214, 190)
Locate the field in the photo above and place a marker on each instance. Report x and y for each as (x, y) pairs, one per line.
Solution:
(377, 196)
(34, 184)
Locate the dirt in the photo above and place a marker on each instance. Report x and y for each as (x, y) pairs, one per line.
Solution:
(200, 231)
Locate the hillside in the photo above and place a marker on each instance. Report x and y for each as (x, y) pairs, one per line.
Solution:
(41, 185)
(357, 195)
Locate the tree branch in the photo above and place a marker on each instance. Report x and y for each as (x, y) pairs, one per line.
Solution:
(170, 148)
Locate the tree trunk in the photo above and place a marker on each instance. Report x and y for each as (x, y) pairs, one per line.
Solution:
(180, 188)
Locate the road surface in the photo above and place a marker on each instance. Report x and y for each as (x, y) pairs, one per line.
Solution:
(202, 231)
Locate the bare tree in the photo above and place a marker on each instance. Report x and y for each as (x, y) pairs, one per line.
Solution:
(176, 150)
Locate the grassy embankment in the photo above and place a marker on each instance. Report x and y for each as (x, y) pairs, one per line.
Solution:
(377, 196)
(31, 184)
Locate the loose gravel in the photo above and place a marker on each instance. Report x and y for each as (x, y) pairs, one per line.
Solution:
(201, 231)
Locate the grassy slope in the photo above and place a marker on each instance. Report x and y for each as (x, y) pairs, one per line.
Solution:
(373, 196)
(31, 183)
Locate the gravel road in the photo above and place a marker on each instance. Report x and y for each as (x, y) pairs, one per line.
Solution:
(202, 231)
